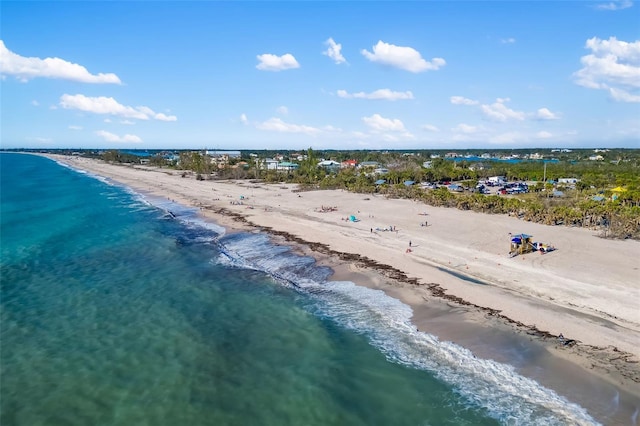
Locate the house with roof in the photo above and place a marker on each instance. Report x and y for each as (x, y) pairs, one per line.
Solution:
(329, 165)
(286, 166)
(368, 164)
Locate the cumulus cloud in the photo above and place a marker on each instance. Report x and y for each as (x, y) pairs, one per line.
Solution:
(460, 100)
(333, 51)
(405, 58)
(545, 114)
(385, 94)
(378, 123)
(104, 105)
(27, 68)
(498, 111)
(111, 137)
(615, 5)
(269, 62)
(277, 125)
(243, 119)
(614, 66)
(430, 128)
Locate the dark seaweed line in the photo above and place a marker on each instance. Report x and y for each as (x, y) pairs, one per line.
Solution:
(437, 291)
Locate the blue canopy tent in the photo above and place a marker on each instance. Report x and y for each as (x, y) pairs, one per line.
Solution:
(520, 244)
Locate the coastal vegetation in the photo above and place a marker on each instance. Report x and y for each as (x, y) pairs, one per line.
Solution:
(597, 189)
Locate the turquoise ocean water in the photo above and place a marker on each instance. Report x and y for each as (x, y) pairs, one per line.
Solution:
(114, 312)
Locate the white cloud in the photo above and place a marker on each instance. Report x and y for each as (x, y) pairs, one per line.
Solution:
(269, 62)
(545, 114)
(543, 135)
(107, 120)
(405, 58)
(378, 123)
(623, 96)
(162, 117)
(385, 94)
(110, 137)
(35, 103)
(243, 119)
(330, 128)
(509, 40)
(277, 125)
(460, 100)
(104, 105)
(73, 127)
(615, 5)
(430, 128)
(333, 51)
(613, 65)
(25, 69)
(465, 128)
(283, 110)
(498, 111)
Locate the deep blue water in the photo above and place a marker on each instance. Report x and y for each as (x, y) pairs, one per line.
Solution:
(114, 312)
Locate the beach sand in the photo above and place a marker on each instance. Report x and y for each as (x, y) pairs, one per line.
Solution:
(455, 272)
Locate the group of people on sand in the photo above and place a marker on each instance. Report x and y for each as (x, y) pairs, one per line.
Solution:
(325, 209)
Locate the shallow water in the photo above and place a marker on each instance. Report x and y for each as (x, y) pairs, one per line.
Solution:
(114, 311)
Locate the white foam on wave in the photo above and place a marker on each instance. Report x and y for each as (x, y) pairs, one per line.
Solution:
(506, 395)
(187, 215)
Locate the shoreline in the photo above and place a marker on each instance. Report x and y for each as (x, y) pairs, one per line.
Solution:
(446, 303)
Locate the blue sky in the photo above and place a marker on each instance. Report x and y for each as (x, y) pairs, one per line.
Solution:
(327, 75)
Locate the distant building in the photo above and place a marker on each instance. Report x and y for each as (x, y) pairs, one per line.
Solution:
(287, 166)
(329, 165)
(270, 164)
(427, 164)
(348, 163)
(365, 164)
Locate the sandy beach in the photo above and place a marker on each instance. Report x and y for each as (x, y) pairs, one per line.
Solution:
(588, 290)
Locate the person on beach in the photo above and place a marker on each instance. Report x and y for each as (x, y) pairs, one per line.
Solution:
(409, 243)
